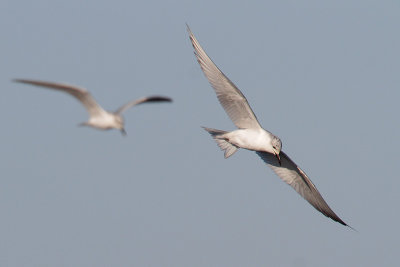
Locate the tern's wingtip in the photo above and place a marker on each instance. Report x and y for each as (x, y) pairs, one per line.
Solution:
(189, 30)
(345, 224)
(352, 228)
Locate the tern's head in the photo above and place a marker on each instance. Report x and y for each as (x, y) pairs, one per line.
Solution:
(119, 124)
(276, 147)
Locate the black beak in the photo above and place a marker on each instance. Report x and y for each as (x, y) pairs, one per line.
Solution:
(279, 159)
(123, 132)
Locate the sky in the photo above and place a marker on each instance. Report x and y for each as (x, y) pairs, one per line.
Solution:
(321, 75)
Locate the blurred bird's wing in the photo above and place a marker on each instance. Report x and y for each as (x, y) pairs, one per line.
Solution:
(140, 101)
(93, 108)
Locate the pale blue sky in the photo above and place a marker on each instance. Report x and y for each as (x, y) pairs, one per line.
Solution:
(324, 77)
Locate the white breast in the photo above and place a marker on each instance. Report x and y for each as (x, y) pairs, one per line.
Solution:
(106, 121)
(252, 139)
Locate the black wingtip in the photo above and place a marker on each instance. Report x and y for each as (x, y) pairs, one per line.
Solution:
(351, 227)
(159, 99)
(343, 223)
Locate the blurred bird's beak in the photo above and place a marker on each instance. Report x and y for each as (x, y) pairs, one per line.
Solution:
(278, 157)
(123, 132)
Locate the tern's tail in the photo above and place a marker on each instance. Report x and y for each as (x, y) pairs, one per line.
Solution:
(222, 142)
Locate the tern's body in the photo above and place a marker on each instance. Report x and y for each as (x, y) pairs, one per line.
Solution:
(252, 136)
(105, 121)
(99, 118)
(251, 139)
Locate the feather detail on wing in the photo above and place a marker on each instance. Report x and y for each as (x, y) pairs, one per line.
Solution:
(230, 97)
(290, 173)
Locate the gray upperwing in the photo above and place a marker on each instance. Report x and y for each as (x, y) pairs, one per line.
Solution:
(296, 178)
(81, 94)
(230, 97)
(132, 103)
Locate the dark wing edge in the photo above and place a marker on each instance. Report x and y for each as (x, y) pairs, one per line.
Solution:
(148, 99)
(290, 173)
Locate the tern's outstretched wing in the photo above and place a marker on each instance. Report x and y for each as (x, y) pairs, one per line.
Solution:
(140, 101)
(81, 94)
(230, 97)
(296, 178)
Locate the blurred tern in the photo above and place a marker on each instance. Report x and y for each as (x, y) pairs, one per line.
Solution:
(252, 136)
(99, 118)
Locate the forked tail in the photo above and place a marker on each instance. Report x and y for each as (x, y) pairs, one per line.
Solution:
(222, 142)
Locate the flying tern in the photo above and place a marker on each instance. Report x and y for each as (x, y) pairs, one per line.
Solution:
(98, 117)
(252, 136)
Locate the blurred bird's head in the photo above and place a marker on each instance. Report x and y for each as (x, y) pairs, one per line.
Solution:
(119, 123)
